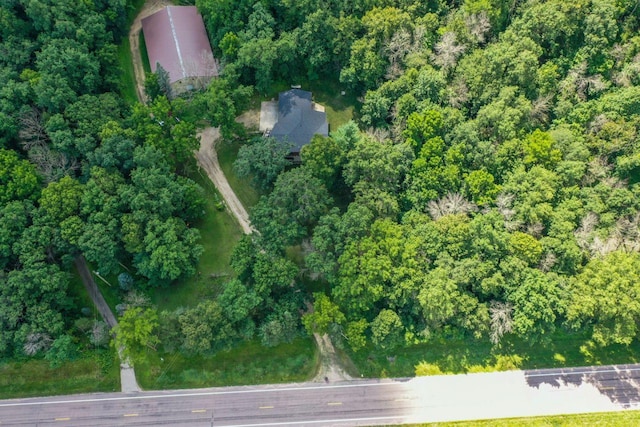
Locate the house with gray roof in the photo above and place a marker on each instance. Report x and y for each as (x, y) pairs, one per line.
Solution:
(298, 120)
(176, 39)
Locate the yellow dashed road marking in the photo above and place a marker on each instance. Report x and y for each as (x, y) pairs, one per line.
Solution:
(130, 415)
(63, 419)
(266, 407)
(334, 403)
(199, 410)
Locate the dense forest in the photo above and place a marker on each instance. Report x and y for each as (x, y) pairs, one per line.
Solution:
(81, 172)
(489, 187)
(486, 188)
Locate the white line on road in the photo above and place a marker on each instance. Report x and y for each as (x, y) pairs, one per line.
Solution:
(346, 420)
(206, 393)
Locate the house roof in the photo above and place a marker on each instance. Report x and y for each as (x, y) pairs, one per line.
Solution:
(298, 120)
(176, 38)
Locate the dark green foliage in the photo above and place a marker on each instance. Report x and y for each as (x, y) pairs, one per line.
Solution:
(262, 160)
(74, 176)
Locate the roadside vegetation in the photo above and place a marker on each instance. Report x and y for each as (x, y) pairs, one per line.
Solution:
(606, 419)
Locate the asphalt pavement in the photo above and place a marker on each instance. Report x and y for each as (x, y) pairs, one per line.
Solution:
(353, 403)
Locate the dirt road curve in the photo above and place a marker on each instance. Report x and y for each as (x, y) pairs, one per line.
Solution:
(150, 7)
(208, 160)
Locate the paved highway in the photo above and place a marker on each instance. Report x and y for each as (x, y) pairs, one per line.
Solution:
(370, 402)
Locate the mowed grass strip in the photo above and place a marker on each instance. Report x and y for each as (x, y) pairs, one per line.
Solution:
(92, 372)
(247, 363)
(127, 77)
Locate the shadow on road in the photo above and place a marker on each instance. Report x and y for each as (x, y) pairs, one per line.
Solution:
(620, 383)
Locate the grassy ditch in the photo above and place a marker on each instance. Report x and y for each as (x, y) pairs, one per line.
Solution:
(247, 363)
(93, 371)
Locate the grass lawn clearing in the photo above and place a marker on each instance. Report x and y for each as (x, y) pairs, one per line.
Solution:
(339, 108)
(219, 234)
(93, 371)
(604, 419)
(227, 154)
(247, 363)
(460, 356)
(127, 78)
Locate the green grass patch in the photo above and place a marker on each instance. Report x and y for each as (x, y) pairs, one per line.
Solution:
(227, 154)
(219, 234)
(143, 53)
(127, 77)
(248, 363)
(94, 371)
(467, 355)
(604, 419)
(78, 293)
(339, 108)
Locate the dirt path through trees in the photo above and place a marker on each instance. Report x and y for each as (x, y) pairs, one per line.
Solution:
(128, 383)
(208, 160)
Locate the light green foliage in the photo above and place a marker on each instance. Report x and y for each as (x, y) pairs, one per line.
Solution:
(325, 314)
(538, 300)
(14, 217)
(539, 148)
(424, 369)
(605, 298)
(136, 332)
(354, 333)
(60, 200)
(525, 247)
(18, 178)
(423, 127)
(223, 101)
(481, 186)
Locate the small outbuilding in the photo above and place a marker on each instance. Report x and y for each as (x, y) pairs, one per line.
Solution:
(177, 40)
(298, 120)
